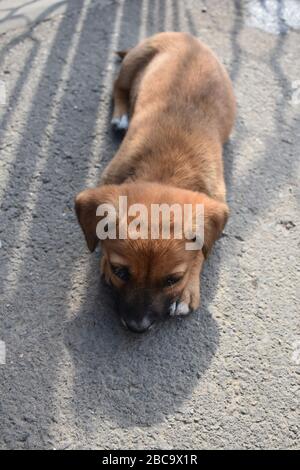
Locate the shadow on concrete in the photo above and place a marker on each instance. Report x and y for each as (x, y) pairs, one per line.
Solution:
(131, 380)
(136, 380)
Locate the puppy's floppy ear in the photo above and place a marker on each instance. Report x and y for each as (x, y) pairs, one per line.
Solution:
(215, 217)
(86, 203)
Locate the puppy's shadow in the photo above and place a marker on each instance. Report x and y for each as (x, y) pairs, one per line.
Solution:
(135, 379)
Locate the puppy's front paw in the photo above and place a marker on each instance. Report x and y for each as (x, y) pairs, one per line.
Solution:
(188, 303)
(179, 308)
(120, 123)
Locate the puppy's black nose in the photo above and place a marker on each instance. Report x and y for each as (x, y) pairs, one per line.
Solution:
(138, 326)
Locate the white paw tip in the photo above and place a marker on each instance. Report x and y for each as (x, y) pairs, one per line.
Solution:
(172, 309)
(180, 308)
(120, 123)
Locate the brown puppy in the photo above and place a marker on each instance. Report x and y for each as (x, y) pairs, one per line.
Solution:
(179, 102)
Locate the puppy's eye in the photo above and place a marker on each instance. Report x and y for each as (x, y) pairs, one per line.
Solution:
(122, 272)
(171, 280)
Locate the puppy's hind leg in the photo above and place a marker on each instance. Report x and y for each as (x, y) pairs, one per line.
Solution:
(120, 120)
(134, 61)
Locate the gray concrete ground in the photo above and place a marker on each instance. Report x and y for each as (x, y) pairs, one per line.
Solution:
(15, 14)
(226, 377)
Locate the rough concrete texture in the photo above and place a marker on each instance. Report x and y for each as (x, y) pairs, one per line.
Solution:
(226, 377)
(24, 13)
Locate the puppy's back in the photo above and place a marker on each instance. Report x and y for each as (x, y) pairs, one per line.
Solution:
(184, 81)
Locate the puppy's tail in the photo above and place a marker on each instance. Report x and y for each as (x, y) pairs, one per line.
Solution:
(123, 53)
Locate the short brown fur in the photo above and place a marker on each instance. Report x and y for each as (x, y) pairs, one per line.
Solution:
(181, 106)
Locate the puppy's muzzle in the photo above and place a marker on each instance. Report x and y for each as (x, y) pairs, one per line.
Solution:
(139, 311)
(138, 326)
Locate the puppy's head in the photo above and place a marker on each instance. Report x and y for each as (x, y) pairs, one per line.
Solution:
(148, 268)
